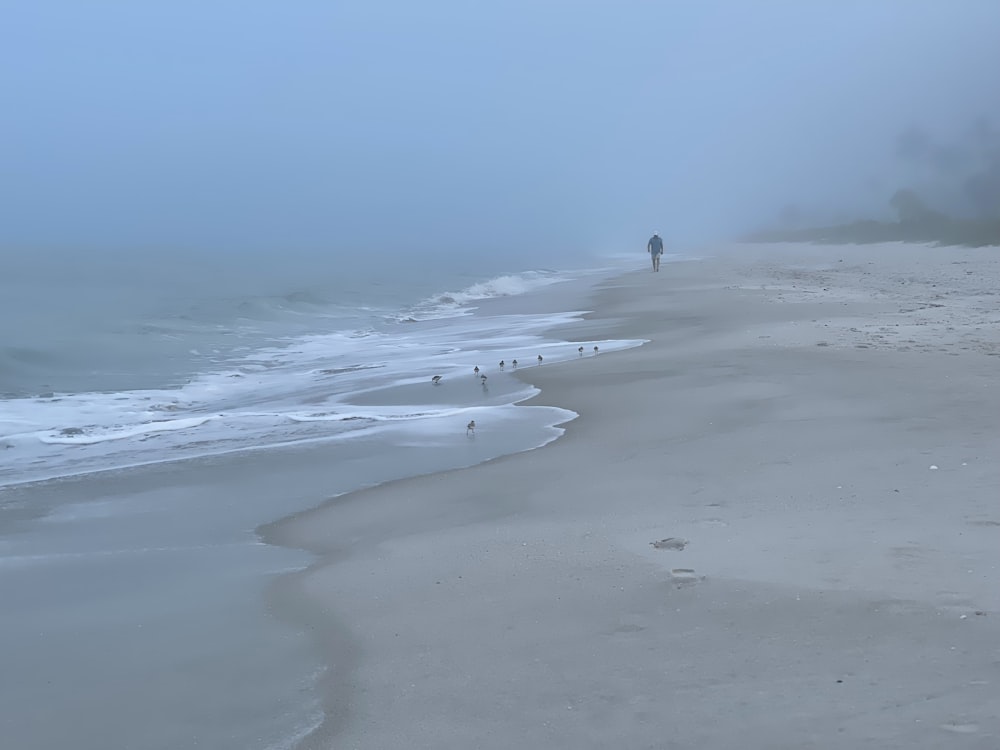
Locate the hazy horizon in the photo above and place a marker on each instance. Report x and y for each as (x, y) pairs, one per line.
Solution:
(448, 128)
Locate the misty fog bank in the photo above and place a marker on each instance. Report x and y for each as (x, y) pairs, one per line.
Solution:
(521, 131)
(952, 196)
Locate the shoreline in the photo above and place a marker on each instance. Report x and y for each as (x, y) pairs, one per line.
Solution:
(161, 562)
(436, 556)
(269, 396)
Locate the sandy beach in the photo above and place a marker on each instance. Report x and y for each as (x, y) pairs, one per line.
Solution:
(813, 429)
(344, 406)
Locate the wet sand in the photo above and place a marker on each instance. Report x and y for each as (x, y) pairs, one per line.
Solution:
(814, 428)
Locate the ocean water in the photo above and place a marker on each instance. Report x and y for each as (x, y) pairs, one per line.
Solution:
(108, 367)
(135, 600)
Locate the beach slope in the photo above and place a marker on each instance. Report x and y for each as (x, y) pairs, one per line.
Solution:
(813, 432)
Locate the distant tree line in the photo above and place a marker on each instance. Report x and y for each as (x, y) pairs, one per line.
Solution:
(961, 176)
(916, 222)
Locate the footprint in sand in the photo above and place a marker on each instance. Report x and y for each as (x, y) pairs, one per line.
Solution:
(628, 628)
(960, 728)
(900, 607)
(685, 576)
(670, 543)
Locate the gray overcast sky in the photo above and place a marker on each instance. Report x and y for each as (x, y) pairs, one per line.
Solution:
(527, 124)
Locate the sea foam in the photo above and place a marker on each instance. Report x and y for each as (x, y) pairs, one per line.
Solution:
(328, 386)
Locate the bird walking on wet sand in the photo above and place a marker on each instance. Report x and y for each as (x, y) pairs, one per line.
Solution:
(436, 380)
(539, 359)
(470, 429)
(515, 364)
(482, 378)
(501, 365)
(595, 350)
(580, 350)
(476, 369)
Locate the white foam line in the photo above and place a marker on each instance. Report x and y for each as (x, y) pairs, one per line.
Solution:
(70, 473)
(144, 429)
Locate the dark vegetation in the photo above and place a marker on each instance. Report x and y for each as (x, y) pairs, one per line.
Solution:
(962, 178)
(921, 226)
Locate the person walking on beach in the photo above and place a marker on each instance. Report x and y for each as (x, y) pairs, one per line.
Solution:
(655, 249)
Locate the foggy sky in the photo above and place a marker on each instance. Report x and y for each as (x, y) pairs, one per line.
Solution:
(509, 126)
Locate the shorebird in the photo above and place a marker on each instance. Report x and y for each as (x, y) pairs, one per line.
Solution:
(436, 379)
(470, 429)
(580, 350)
(515, 364)
(595, 350)
(483, 378)
(539, 359)
(501, 365)
(476, 369)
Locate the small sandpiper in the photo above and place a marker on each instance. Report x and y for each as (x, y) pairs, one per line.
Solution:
(436, 379)
(539, 359)
(515, 364)
(470, 429)
(476, 369)
(595, 350)
(580, 350)
(501, 365)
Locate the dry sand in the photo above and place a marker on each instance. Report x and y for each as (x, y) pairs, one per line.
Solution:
(818, 424)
